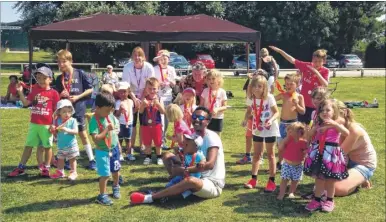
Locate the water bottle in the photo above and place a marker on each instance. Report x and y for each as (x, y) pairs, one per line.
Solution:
(375, 101)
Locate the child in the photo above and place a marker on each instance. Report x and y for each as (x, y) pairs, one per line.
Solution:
(75, 85)
(43, 100)
(188, 105)
(175, 115)
(102, 130)
(166, 76)
(293, 104)
(66, 128)
(325, 161)
(265, 129)
(192, 157)
(313, 75)
(293, 147)
(12, 95)
(215, 99)
(124, 111)
(151, 109)
(318, 95)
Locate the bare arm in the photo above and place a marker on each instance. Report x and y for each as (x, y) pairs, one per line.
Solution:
(284, 54)
(96, 138)
(223, 106)
(22, 98)
(279, 97)
(351, 139)
(283, 143)
(275, 68)
(322, 81)
(275, 112)
(300, 107)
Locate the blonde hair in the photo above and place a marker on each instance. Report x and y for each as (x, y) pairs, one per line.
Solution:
(345, 113)
(264, 52)
(64, 54)
(320, 54)
(334, 106)
(322, 91)
(140, 52)
(298, 127)
(106, 88)
(216, 74)
(294, 77)
(174, 113)
(152, 81)
(259, 80)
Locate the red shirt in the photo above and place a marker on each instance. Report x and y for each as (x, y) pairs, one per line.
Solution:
(12, 89)
(293, 150)
(43, 105)
(309, 80)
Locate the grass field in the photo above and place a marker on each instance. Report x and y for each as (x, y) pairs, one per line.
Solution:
(41, 56)
(30, 198)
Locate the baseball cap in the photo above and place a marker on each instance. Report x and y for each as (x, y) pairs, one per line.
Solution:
(198, 66)
(189, 90)
(123, 85)
(44, 70)
(197, 139)
(161, 53)
(63, 103)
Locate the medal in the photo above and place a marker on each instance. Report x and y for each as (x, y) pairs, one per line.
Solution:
(309, 92)
(149, 121)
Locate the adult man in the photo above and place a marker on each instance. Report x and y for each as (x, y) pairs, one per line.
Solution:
(211, 183)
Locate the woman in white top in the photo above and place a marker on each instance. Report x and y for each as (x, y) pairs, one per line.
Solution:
(166, 75)
(136, 73)
(110, 77)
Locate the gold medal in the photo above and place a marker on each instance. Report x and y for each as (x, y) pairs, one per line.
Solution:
(149, 121)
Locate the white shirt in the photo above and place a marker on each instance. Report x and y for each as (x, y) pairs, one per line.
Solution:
(217, 174)
(220, 98)
(137, 77)
(165, 92)
(122, 119)
(266, 113)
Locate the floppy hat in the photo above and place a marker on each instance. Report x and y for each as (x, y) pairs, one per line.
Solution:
(63, 103)
(161, 53)
(44, 70)
(196, 138)
(198, 66)
(189, 90)
(124, 85)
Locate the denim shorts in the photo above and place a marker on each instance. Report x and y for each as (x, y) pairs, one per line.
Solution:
(107, 164)
(367, 172)
(125, 132)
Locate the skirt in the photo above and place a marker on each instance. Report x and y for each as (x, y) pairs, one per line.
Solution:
(330, 164)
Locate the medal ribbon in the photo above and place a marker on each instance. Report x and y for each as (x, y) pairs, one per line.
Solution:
(68, 85)
(101, 128)
(162, 75)
(188, 119)
(151, 112)
(278, 86)
(257, 113)
(136, 78)
(212, 100)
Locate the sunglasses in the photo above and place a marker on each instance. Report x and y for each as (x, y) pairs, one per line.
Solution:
(199, 117)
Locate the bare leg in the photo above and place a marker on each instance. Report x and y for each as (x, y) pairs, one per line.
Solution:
(271, 158)
(248, 144)
(349, 185)
(60, 164)
(168, 162)
(128, 146)
(258, 151)
(47, 156)
(283, 188)
(294, 185)
(158, 151)
(134, 135)
(39, 155)
(191, 183)
(26, 155)
(319, 187)
(103, 184)
(73, 164)
(330, 187)
(115, 178)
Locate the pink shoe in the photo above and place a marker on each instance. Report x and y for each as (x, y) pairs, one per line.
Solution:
(313, 205)
(58, 174)
(251, 184)
(328, 206)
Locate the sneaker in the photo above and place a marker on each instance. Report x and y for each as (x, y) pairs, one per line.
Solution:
(73, 175)
(16, 172)
(246, 159)
(271, 186)
(104, 200)
(147, 161)
(130, 157)
(44, 172)
(92, 165)
(120, 180)
(328, 206)
(116, 193)
(160, 162)
(313, 205)
(121, 158)
(291, 196)
(251, 184)
(58, 174)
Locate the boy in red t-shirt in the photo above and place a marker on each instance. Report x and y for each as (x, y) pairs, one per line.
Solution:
(43, 100)
(314, 74)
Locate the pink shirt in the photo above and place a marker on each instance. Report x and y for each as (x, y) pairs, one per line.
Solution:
(293, 150)
(181, 127)
(309, 80)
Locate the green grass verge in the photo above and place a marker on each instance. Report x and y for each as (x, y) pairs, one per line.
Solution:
(31, 198)
(41, 56)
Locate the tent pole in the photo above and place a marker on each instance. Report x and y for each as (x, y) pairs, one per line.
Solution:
(145, 46)
(67, 45)
(247, 57)
(30, 58)
(257, 50)
(158, 46)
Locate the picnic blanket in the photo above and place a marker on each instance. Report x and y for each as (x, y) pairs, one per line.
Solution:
(9, 106)
(361, 104)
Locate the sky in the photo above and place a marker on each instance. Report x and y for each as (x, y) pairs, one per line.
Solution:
(7, 13)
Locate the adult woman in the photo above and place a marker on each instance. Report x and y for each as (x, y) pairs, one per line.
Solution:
(110, 77)
(269, 64)
(196, 80)
(136, 72)
(361, 154)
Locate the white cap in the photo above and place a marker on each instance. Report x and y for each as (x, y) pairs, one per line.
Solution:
(64, 103)
(110, 67)
(197, 139)
(123, 85)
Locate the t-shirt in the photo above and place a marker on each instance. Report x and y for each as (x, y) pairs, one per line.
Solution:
(220, 97)
(12, 89)
(188, 160)
(188, 114)
(80, 83)
(293, 150)
(67, 141)
(169, 75)
(180, 127)
(137, 77)
(43, 104)
(130, 106)
(309, 80)
(152, 113)
(93, 128)
(217, 174)
(266, 114)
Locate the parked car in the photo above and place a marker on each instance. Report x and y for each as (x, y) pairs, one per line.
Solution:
(204, 58)
(350, 61)
(180, 62)
(240, 62)
(121, 58)
(173, 54)
(331, 62)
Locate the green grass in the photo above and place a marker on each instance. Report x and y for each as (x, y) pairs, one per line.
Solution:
(41, 56)
(34, 199)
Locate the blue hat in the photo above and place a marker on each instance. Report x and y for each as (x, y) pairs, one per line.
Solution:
(45, 71)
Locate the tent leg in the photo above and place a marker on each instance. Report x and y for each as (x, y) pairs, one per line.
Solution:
(158, 46)
(145, 46)
(257, 50)
(68, 46)
(247, 57)
(30, 57)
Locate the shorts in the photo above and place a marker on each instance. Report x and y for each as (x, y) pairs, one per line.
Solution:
(366, 172)
(290, 172)
(39, 135)
(259, 139)
(283, 127)
(81, 122)
(107, 164)
(215, 125)
(248, 133)
(151, 134)
(68, 154)
(306, 118)
(209, 189)
(125, 132)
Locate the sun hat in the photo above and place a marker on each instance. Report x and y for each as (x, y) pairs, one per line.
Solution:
(189, 90)
(123, 85)
(197, 139)
(161, 53)
(198, 66)
(44, 70)
(63, 103)
(109, 67)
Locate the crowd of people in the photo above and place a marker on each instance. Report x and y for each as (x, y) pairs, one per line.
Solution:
(315, 134)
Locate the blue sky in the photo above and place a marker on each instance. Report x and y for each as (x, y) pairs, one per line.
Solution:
(7, 13)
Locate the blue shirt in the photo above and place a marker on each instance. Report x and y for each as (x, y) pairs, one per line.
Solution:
(66, 140)
(188, 160)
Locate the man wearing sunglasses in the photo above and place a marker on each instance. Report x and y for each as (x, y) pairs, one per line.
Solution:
(211, 183)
